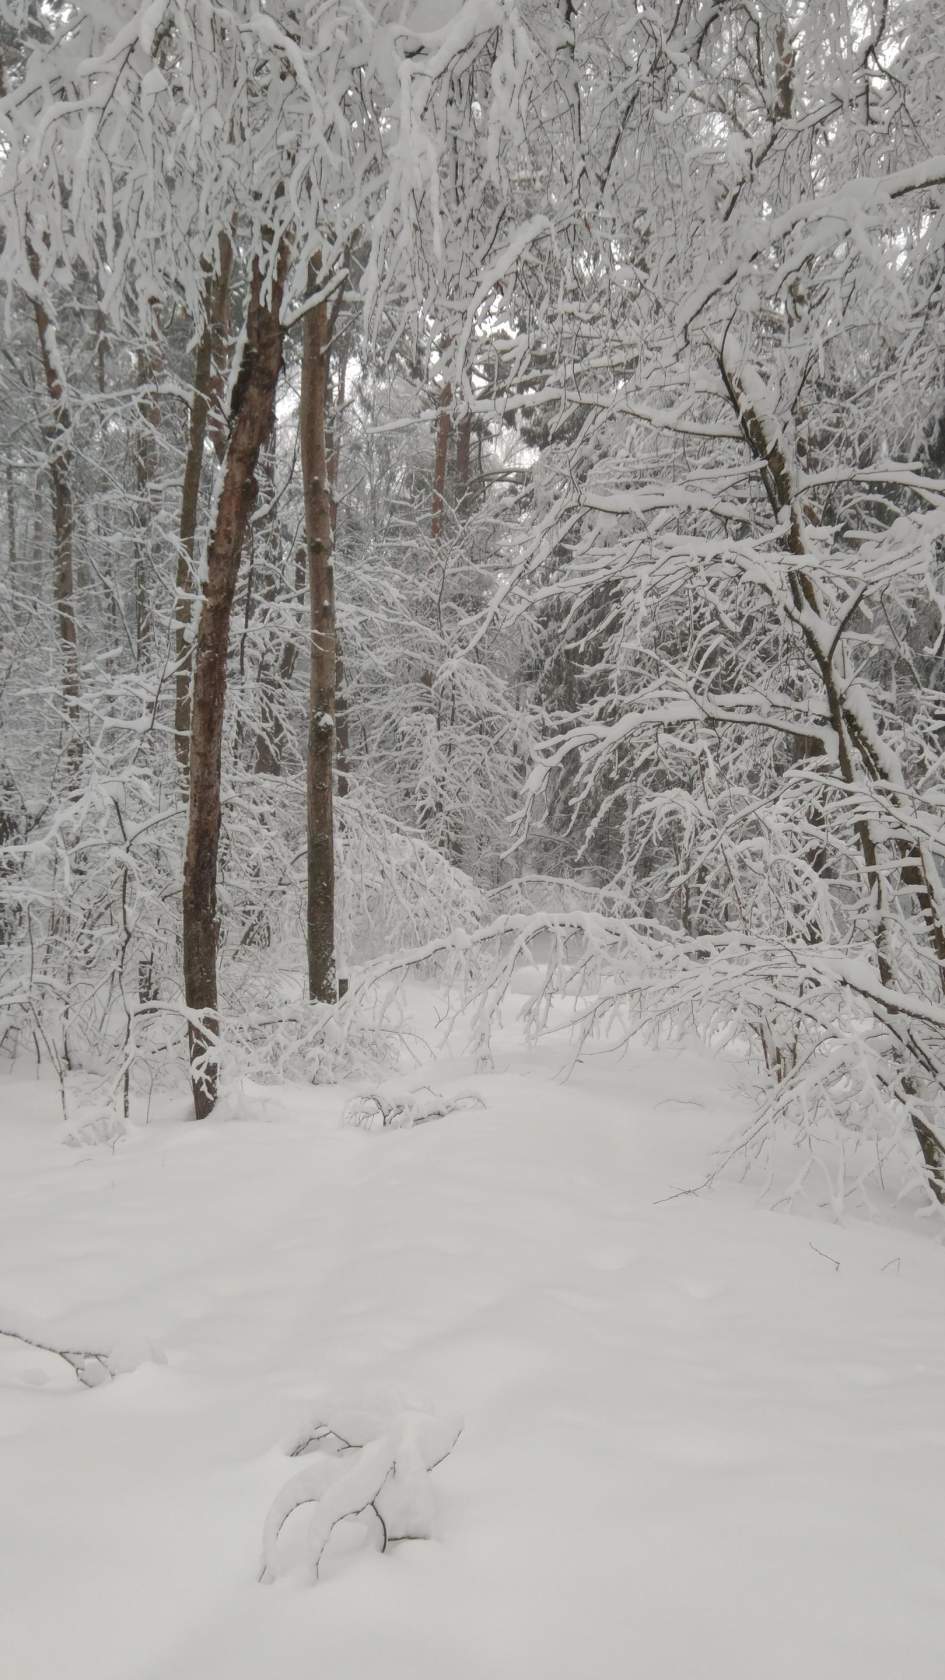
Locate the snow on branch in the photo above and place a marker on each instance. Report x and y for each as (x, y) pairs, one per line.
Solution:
(384, 1109)
(856, 204)
(386, 1474)
(93, 1367)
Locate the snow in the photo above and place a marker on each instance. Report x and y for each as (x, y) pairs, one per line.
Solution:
(697, 1436)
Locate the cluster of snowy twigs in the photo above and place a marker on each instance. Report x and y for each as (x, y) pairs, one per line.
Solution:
(387, 1109)
(93, 1367)
(360, 1467)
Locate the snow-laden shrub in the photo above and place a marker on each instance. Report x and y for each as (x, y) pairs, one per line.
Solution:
(357, 1467)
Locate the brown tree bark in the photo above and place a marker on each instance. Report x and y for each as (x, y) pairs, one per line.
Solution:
(320, 756)
(208, 353)
(250, 423)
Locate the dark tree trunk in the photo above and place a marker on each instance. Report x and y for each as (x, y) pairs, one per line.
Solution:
(11, 523)
(58, 431)
(145, 471)
(320, 757)
(464, 437)
(250, 424)
(205, 383)
(272, 737)
(444, 427)
(857, 746)
(267, 726)
(342, 722)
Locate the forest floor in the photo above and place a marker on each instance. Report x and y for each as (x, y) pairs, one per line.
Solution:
(699, 1437)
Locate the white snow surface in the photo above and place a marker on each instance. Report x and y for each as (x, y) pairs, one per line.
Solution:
(699, 1437)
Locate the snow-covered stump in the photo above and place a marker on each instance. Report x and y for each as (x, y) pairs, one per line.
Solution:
(385, 1476)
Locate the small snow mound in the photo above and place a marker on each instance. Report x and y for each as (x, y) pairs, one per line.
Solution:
(102, 1126)
(132, 1351)
(245, 1101)
(34, 1377)
(92, 1372)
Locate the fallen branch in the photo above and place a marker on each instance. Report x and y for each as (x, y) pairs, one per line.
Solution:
(91, 1368)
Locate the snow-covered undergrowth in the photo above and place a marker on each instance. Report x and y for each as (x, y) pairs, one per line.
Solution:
(698, 1436)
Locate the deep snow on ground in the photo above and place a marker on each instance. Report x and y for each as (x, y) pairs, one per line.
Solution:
(693, 1443)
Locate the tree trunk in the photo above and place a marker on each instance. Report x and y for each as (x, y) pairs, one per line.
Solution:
(464, 435)
(342, 722)
(250, 423)
(272, 739)
(205, 383)
(267, 726)
(444, 426)
(11, 533)
(145, 473)
(59, 440)
(320, 757)
(859, 743)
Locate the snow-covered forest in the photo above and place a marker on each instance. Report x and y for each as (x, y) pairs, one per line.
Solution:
(472, 652)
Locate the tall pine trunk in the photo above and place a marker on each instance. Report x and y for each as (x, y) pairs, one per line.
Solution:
(250, 424)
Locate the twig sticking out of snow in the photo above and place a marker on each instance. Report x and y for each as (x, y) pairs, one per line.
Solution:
(382, 1110)
(825, 1256)
(92, 1369)
(321, 1438)
(388, 1476)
